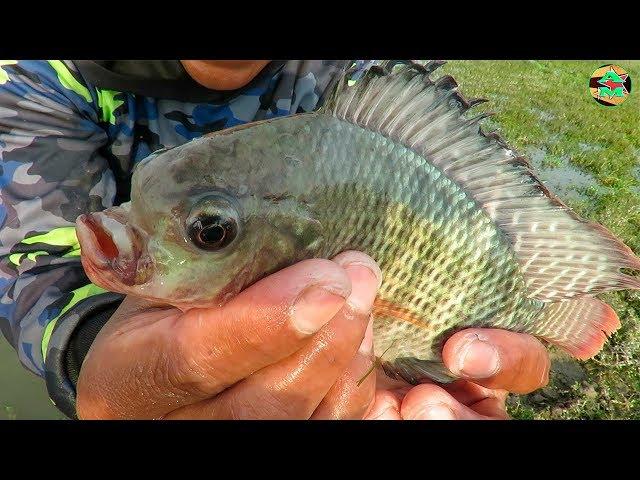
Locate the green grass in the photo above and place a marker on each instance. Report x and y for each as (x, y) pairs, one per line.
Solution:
(546, 107)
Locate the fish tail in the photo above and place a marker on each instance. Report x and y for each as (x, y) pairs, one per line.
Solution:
(569, 257)
(580, 327)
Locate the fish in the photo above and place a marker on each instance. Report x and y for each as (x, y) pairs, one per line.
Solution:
(393, 165)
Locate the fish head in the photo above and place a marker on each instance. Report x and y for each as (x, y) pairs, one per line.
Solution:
(193, 238)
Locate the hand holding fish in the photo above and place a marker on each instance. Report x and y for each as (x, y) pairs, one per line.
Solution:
(286, 347)
(294, 345)
(491, 364)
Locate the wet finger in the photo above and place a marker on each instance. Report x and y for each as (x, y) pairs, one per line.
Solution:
(498, 359)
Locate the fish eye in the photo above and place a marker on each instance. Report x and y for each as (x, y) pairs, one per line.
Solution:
(213, 223)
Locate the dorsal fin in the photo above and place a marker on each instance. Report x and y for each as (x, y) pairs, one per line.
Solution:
(561, 255)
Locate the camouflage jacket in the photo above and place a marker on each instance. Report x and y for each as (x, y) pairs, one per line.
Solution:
(70, 134)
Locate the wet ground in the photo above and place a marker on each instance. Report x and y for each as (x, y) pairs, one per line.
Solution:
(563, 179)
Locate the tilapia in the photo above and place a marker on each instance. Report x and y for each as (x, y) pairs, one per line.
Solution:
(463, 230)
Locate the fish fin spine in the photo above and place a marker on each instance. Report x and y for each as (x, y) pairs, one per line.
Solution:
(414, 370)
(561, 255)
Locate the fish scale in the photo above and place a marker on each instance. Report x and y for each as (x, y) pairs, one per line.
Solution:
(430, 292)
(464, 232)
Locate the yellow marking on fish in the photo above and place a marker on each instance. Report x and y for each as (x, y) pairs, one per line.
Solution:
(384, 308)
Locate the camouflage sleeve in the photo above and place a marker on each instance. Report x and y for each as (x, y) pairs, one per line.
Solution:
(50, 172)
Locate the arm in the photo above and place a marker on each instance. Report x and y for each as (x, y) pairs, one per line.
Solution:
(51, 172)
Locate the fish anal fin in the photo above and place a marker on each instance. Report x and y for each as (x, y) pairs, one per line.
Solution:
(415, 371)
(399, 366)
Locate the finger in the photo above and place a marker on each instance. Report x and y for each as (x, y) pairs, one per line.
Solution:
(386, 406)
(431, 402)
(485, 401)
(295, 386)
(491, 407)
(499, 359)
(469, 393)
(264, 324)
(181, 359)
(351, 396)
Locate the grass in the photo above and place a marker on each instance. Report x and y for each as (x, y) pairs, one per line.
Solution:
(545, 110)
(9, 412)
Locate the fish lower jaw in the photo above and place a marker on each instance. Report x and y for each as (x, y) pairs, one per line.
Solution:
(101, 277)
(111, 248)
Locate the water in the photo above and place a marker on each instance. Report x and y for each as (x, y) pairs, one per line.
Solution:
(22, 394)
(562, 178)
(543, 115)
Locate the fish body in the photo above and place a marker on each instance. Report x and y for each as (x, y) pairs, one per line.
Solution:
(463, 231)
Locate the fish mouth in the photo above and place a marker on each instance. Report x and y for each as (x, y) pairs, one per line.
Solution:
(112, 250)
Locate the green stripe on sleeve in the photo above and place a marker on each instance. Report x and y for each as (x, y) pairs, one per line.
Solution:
(108, 104)
(78, 295)
(58, 237)
(68, 81)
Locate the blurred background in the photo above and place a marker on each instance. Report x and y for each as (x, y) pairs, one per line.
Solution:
(22, 394)
(586, 153)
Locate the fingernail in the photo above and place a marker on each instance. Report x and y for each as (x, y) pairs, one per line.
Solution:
(314, 307)
(364, 286)
(477, 358)
(366, 347)
(438, 411)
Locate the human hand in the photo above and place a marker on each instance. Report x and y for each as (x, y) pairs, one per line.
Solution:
(491, 363)
(293, 345)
